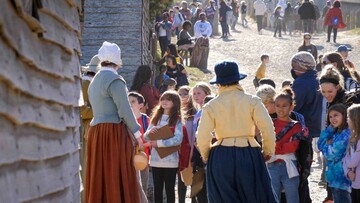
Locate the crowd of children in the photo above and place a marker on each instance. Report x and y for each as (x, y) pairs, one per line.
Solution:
(180, 107)
(289, 166)
(196, 125)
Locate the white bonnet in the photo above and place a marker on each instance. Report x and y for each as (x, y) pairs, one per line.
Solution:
(110, 52)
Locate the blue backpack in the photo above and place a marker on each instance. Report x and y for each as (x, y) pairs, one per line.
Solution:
(335, 21)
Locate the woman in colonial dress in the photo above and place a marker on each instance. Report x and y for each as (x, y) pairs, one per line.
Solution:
(110, 172)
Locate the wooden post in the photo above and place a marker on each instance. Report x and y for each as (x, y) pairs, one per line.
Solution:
(216, 22)
(153, 51)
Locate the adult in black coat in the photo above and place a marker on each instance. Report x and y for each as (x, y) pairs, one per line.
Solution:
(307, 16)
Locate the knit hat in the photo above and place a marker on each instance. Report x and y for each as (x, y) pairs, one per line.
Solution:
(110, 52)
(304, 60)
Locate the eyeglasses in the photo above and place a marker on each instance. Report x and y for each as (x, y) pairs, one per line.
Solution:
(307, 38)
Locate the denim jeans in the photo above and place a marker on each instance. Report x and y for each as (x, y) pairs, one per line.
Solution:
(280, 179)
(224, 28)
(244, 22)
(234, 23)
(341, 196)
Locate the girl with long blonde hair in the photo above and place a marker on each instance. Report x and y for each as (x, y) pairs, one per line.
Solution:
(351, 162)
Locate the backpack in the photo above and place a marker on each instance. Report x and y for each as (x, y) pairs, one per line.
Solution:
(144, 122)
(304, 153)
(181, 18)
(351, 85)
(352, 98)
(335, 21)
(285, 130)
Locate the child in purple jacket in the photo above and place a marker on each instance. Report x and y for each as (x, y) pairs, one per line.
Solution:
(351, 162)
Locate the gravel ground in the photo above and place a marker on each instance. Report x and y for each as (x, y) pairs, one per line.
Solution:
(246, 45)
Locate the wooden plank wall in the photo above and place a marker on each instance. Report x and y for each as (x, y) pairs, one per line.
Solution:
(146, 27)
(351, 14)
(121, 22)
(39, 96)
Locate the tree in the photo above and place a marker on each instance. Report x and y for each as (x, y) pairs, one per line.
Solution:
(158, 6)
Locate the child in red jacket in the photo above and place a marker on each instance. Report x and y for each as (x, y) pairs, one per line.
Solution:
(333, 20)
(283, 166)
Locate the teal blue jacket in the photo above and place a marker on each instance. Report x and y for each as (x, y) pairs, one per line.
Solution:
(334, 154)
(109, 100)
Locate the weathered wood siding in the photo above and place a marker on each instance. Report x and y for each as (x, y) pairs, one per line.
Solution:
(39, 96)
(146, 27)
(351, 13)
(124, 22)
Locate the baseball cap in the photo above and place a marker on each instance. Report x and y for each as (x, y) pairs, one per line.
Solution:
(342, 48)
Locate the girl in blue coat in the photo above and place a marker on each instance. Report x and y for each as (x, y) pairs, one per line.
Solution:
(332, 143)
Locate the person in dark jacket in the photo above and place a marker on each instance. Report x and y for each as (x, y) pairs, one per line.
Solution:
(308, 103)
(308, 46)
(243, 9)
(289, 18)
(235, 8)
(184, 35)
(278, 21)
(222, 18)
(307, 16)
(317, 16)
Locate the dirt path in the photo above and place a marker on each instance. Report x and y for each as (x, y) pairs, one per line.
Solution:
(245, 46)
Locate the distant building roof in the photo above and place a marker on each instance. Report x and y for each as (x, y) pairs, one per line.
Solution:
(351, 1)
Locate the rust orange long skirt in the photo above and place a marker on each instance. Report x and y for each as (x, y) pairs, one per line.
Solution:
(110, 172)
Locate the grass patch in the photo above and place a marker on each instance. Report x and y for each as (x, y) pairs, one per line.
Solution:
(196, 75)
(355, 31)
